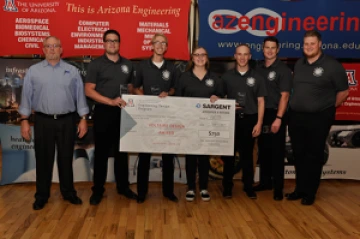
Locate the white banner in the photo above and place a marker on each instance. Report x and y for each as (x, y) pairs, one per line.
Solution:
(18, 159)
(177, 125)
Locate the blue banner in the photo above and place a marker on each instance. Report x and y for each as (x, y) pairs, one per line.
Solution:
(227, 23)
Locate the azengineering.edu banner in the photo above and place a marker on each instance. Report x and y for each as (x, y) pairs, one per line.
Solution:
(226, 24)
(80, 25)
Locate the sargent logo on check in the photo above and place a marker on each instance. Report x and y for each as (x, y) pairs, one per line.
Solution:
(130, 103)
(219, 107)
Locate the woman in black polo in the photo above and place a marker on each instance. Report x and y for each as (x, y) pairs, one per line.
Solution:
(198, 81)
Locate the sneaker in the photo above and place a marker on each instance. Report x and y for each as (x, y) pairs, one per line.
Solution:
(190, 195)
(205, 195)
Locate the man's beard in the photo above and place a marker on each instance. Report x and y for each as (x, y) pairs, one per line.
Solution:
(313, 54)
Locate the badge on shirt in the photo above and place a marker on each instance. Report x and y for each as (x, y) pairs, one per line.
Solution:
(272, 75)
(125, 69)
(318, 71)
(166, 75)
(250, 81)
(209, 82)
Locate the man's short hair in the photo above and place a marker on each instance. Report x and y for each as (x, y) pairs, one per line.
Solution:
(313, 33)
(271, 39)
(111, 31)
(243, 44)
(159, 35)
(47, 38)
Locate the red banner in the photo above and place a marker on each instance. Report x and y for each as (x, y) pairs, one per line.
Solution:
(350, 109)
(80, 25)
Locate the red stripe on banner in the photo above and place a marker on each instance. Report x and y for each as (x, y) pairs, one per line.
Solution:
(80, 24)
(350, 109)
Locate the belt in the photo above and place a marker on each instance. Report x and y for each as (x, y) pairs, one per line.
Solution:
(55, 116)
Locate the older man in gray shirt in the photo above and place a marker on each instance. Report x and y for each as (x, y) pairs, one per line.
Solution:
(55, 91)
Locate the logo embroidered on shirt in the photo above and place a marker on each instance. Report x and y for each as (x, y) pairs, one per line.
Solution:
(125, 69)
(250, 81)
(318, 71)
(209, 82)
(272, 75)
(166, 75)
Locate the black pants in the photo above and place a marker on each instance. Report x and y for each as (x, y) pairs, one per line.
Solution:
(200, 163)
(308, 133)
(167, 174)
(244, 144)
(272, 152)
(48, 134)
(107, 139)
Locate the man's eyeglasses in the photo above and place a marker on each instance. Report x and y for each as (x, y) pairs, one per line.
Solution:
(199, 54)
(111, 41)
(49, 46)
(157, 43)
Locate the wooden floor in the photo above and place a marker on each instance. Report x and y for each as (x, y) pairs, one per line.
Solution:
(335, 214)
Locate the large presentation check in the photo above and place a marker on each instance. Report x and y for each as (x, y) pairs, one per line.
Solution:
(177, 125)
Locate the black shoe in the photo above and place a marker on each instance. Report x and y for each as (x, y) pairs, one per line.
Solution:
(171, 197)
(278, 195)
(128, 193)
(294, 196)
(73, 199)
(95, 198)
(227, 193)
(251, 194)
(307, 200)
(39, 204)
(141, 199)
(262, 187)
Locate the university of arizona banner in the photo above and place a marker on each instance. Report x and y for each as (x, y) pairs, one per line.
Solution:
(350, 109)
(80, 25)
(225, 24)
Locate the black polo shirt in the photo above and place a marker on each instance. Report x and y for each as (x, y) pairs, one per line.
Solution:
(278, 78)
(154, 80)
(189, 85)
(248, 87)
(315, 85)
(109, 75)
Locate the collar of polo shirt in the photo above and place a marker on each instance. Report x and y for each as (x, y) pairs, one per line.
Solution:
(248, 73)
(164, 65)
(317, 62)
